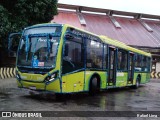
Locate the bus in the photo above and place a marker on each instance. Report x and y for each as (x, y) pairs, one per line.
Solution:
(60, 58)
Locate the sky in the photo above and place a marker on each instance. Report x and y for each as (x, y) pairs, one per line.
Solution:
(138, 6)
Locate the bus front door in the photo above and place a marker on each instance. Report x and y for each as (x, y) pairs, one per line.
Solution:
(112, 67)
(131, 68)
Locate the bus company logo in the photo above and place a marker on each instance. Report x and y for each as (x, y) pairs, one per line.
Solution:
(6, 114)
(42, 40)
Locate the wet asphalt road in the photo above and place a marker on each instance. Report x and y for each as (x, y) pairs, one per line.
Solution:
(146, 98)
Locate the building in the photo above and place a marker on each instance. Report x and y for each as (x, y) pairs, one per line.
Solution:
(141, 31)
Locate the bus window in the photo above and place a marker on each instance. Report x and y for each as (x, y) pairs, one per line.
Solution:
(138, 60)
(94, 54)
(105, 61)
(148, 64)
(122, 60)
(73, 57)
(144, 64)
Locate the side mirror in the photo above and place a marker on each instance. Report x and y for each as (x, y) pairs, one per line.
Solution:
(13, 42)
(68, 36)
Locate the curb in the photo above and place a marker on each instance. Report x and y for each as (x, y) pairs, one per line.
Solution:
(7, 72)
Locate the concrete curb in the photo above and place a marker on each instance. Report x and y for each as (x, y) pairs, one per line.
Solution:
(7, 72)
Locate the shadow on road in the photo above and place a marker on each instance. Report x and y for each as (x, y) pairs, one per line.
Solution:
(48, 97)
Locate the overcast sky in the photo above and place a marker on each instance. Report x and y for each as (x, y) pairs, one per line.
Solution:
(138, 6)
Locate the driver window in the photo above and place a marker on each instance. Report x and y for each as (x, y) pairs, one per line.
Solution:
(73, 55)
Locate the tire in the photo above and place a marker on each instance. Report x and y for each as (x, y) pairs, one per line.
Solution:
(136, 86)
(94, 86)
(59, 96)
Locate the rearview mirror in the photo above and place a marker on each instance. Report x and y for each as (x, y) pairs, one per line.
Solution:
(68, 36)
(13, 42)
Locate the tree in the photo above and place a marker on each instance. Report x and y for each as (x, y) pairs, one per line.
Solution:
(17, 14)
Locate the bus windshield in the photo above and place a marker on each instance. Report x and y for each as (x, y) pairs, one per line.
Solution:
(38, 50)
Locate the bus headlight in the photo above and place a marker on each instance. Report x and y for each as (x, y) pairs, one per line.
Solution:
(51, 77)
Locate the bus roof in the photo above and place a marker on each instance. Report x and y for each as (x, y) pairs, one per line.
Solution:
(122, 45)
(104, 39)
(67, 25)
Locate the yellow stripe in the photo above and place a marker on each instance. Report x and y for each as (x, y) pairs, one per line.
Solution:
(14, 72)
(156, 75)
(152, 74)
(1, 74)
(8, 75)
(11, 73)
(4, 72)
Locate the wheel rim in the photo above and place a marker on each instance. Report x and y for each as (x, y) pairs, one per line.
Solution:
(137, 84)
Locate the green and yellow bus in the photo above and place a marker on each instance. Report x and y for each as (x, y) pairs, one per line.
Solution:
(60, 58)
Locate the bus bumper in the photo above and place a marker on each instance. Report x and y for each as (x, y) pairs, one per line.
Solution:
(40, 86)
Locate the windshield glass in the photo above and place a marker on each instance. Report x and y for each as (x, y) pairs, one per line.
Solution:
(38, 49)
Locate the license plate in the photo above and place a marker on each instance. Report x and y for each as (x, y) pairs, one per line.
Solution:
(32, 88)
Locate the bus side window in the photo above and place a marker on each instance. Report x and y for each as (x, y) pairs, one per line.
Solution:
(138, 61)
(94, 54)
(105, 61)
(149, 64)
(73, 53)
(144, 64)
(122, 60)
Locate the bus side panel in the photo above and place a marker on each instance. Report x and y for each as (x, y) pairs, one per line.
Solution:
(89, 74)
(135, 77)
(148, 77)
(54, 86)
(73, 82)
(121, 79)
(103, 83)
(144, 78)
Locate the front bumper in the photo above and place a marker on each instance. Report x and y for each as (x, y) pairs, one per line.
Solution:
(53, 86)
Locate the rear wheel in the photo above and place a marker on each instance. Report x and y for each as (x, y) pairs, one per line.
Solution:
(59, 96)
(137, 83)
(94, 85)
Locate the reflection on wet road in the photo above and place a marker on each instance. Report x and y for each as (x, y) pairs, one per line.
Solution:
(146, 98)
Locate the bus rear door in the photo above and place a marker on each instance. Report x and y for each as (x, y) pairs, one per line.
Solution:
(112, 67)
(131, 68)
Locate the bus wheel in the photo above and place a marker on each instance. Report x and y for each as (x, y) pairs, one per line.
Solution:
(137, 83)
(94, 86)
(59, 96)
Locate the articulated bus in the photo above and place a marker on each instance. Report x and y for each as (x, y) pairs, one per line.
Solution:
(60, 58)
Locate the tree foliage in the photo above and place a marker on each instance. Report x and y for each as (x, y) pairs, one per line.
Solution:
(17, 14)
